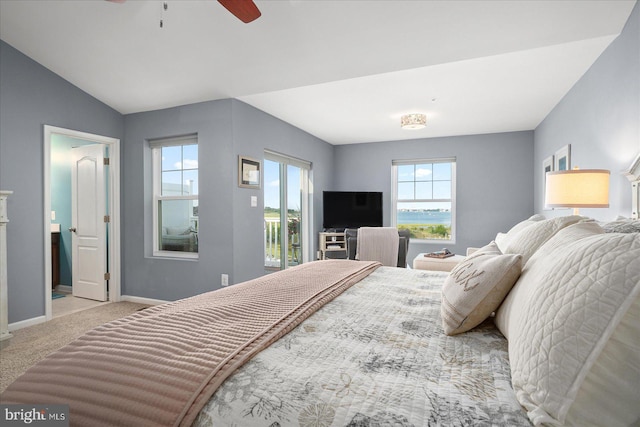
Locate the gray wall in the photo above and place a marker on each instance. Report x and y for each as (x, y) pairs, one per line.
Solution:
(32, 97)
(253, 132)
(600, 118)
(170, 279)
(493, 182)
(230, 236)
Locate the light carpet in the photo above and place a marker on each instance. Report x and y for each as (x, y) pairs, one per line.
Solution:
(30, 345)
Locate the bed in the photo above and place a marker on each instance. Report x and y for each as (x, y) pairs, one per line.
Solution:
(350, 343)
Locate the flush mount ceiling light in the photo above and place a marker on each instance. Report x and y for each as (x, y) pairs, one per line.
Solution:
(413, 121)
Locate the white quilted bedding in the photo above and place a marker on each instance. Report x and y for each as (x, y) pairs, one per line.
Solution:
(375, 356)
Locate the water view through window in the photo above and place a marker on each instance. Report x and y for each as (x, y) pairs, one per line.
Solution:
(424, 201)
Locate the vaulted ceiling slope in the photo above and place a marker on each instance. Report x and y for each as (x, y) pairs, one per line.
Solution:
(343, 71)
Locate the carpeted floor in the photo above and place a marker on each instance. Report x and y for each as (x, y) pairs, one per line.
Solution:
(30, 345)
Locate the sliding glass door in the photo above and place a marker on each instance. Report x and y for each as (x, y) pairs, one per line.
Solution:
(286, 211)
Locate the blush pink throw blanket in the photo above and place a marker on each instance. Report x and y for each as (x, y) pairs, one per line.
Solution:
(160, 366)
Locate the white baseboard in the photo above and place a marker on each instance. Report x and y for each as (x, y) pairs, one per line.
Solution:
(25, 323)
(142, 300)
(41, 319)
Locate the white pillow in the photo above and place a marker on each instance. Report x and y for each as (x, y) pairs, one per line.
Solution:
(521, 294)
(569, 234)
(503, 239)
(622, 226)
(528, 240)
(475, 288)
(609, 394)
(560, 317)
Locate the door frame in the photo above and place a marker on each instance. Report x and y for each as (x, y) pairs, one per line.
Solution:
(306, 208)
(114, 209)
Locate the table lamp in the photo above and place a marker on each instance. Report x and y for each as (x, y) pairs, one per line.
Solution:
(577, 188)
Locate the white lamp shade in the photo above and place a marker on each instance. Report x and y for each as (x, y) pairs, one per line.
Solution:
(582, 188)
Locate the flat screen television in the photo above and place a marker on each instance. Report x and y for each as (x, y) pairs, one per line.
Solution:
(351, 209)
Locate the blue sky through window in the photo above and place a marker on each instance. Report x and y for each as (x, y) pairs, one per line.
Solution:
(272, 186)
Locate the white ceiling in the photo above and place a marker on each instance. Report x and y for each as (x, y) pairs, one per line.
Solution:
(343, 71)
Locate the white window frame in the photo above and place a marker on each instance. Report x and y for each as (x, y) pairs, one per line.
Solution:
(156, 167)
(394, 195)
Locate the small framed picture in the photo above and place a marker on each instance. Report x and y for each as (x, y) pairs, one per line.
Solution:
(547, 166)
(248, 172)
(563, 159)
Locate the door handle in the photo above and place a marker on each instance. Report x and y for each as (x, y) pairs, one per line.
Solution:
(72, 229)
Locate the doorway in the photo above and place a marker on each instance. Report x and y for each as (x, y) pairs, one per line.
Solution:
(59, 146)
(286, 211)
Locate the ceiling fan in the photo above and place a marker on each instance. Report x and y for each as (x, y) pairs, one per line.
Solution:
(244, 10)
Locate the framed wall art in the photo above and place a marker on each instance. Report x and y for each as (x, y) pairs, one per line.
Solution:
(563, 159)
(547, 166)
(248, 172)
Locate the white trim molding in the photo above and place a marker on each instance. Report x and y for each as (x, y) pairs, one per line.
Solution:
(4, 304)
(26, 323)
(114, 209)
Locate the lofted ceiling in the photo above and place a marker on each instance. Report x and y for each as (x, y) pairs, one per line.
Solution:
(344, 71)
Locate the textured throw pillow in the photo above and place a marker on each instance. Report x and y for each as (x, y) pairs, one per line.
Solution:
(622, 226)
(561, 317)
(567, 235)
(609, 394)
(503, 239)
(528, 240)
(476, 287)
(521, 294)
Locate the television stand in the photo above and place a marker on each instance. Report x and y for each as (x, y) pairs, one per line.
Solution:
(332, 245)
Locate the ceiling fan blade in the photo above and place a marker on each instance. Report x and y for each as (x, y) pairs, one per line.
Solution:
(244, 10)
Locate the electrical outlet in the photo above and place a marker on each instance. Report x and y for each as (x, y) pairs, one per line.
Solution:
(224, 280)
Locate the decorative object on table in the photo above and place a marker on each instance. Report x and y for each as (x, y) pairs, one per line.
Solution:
(562, 159)
(444, 253)
(248, 172)
(577, 188)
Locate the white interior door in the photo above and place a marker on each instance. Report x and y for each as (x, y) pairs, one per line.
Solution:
(88, 230)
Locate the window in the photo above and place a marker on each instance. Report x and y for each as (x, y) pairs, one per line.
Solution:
(175, 196)
(424, 198)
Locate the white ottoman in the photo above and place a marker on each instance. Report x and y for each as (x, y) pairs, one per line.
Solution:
(422, 262)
